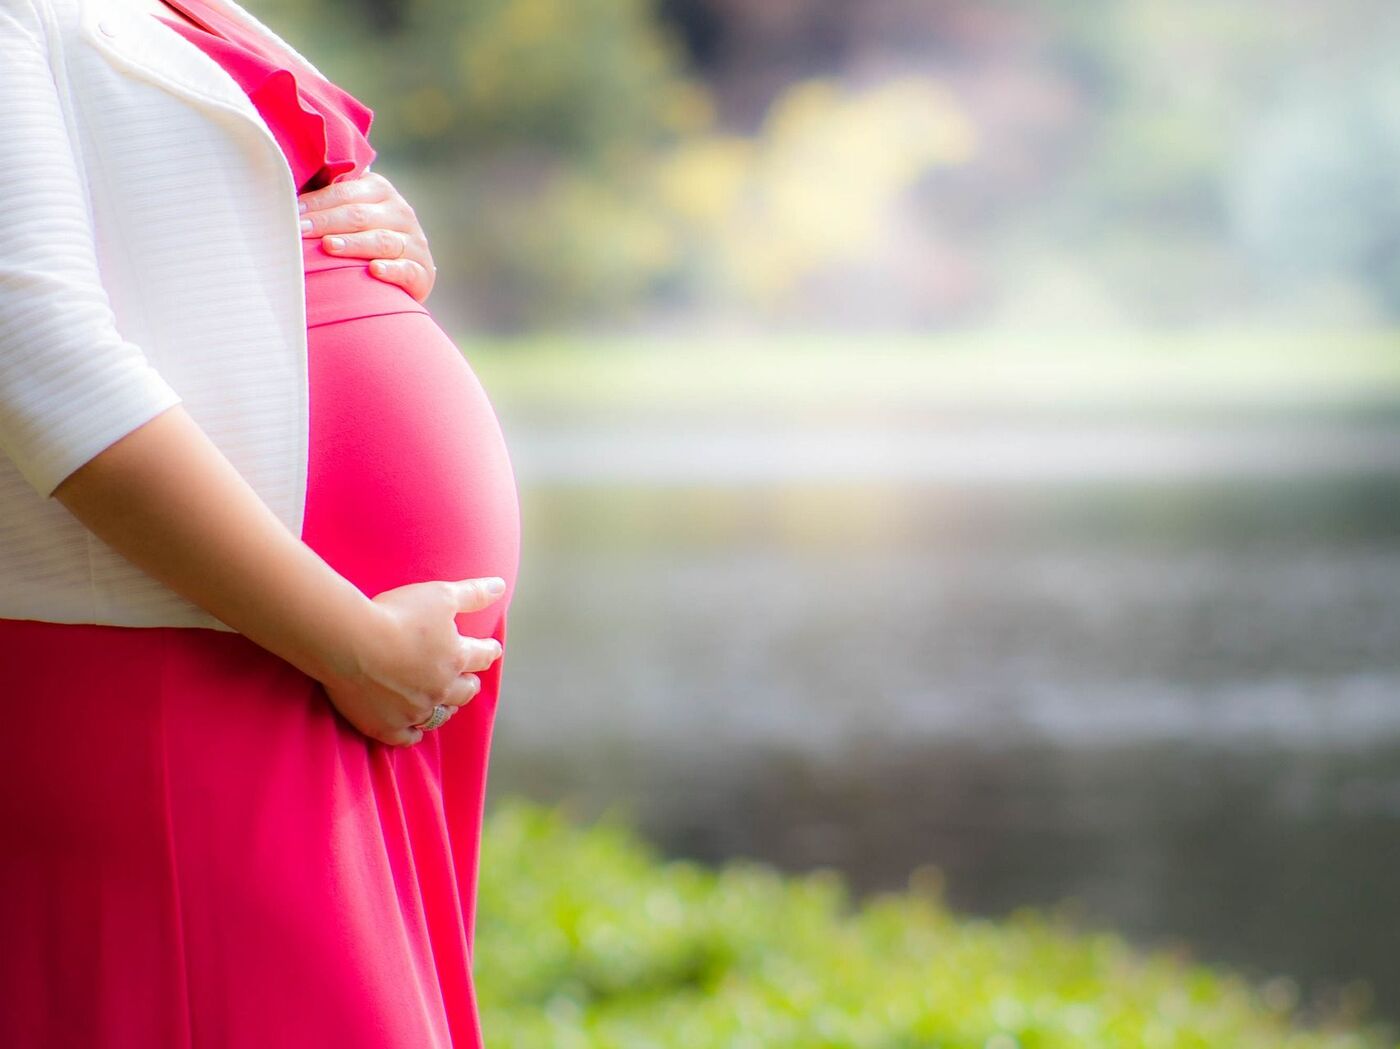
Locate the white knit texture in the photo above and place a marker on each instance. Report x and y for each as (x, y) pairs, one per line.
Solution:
(149, 255)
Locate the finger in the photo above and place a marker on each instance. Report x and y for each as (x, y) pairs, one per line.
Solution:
(409, 274)
(350, 217)
(368, 244)
(406, 737)
(458, 694)
(452, 709)
(475, 594)
(462, 691)
(478, 653)
(369, 186)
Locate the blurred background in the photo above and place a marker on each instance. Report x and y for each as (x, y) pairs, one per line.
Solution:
(950, 433)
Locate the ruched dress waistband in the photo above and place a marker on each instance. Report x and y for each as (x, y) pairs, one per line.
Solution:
(342, 289)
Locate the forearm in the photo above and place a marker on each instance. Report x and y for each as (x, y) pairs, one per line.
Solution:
(169, 501)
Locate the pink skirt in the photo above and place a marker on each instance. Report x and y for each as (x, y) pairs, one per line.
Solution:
(196, 849)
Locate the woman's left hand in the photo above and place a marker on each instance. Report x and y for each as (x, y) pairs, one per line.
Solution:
(372, 221)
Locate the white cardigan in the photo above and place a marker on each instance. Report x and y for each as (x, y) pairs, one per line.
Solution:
(150, 254)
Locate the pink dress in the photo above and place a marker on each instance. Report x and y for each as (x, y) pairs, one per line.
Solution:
(205, 853)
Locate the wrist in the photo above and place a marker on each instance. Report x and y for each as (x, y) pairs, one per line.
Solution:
(346, 653)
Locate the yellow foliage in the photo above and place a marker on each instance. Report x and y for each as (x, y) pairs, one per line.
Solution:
(689, 109)
(600, 243)
(702, 179)
(427, 111)
(822, 184)
(532, 21)
(486, 69)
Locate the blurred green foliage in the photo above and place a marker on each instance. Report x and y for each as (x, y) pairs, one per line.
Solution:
(575, 78)
(570, 167)
(586, 939)
(1243, 161)
(525, 125)
(1085, 164)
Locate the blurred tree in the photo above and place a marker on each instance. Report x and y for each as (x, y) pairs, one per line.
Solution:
(575, 78)
(799, 210)
(1219, 175)
(525, 122)
(1316, 194)
(1165, 164)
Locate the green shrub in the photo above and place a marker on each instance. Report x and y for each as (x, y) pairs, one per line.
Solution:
(586, 938)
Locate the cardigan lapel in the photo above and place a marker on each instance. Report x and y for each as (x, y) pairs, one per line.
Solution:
(137, 42)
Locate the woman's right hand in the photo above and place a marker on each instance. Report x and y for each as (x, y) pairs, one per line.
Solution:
(412, 658)
(168, 500)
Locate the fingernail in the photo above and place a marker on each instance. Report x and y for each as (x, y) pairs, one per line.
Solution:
(302, 205)
(496, 587)
(306, 225)
(335, 242)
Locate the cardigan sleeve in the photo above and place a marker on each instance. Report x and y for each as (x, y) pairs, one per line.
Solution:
(70, 384)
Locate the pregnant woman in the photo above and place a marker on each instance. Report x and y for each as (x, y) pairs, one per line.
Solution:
(246, 738)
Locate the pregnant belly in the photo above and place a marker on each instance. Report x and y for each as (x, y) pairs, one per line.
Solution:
(408, 477)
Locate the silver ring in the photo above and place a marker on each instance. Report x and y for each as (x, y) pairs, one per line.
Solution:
(440, 714)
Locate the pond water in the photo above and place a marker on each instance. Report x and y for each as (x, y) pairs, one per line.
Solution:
(1091, 672)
